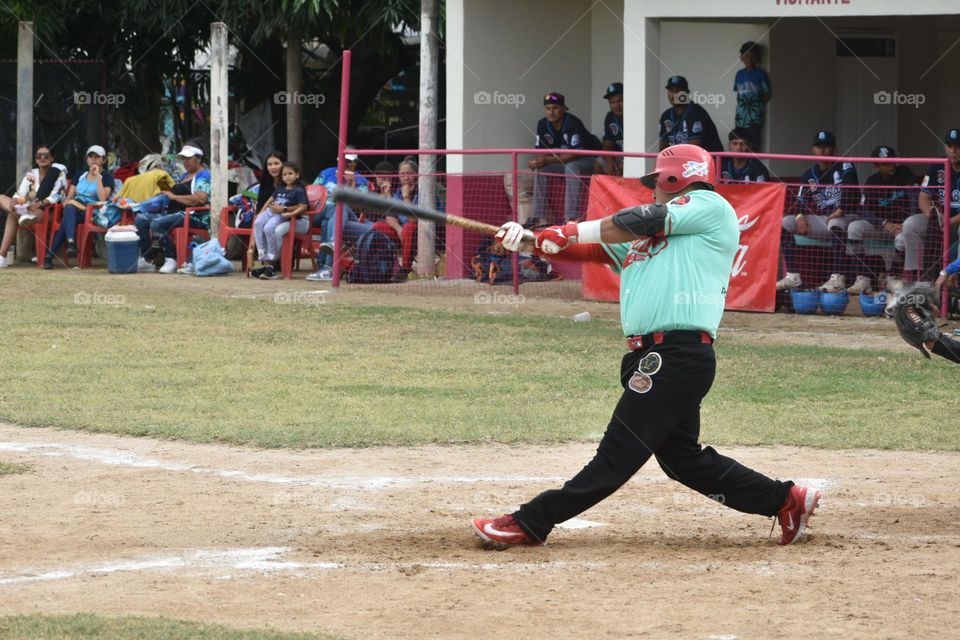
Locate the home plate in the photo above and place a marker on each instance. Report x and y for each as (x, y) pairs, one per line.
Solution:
(577, 523)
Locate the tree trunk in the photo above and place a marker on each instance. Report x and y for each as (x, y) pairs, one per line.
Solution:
(294, 91)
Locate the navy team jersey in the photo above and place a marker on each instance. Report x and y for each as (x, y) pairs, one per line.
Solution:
(890, 205)
(753, 171)
(693, 123)
(934, 179)
(613, 129)
(571, 134)
(821, 193)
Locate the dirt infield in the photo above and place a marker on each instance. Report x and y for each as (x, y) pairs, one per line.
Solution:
(375, 543)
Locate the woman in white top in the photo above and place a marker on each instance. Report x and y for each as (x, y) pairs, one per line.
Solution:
(43, 185)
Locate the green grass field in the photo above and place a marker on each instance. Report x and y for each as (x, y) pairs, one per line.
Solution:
(76, 627)
(205, 367)
(11, 468)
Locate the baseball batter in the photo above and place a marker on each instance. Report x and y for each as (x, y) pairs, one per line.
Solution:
(674, 258)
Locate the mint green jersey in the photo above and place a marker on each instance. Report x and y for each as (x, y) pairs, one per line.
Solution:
(679, 281)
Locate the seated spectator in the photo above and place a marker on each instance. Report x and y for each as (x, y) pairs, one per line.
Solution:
(558, 131)
(92, 186)
(270, 180)
(43, 185)
(325, 219)
(288, 202)
(685, 122)
(917, 227)
(742, 169)
(612, 132)
(825, 205)
(752, 86)
(882, 213)
(161, 214)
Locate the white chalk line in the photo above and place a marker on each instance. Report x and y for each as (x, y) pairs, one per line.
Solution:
(266, 560)
(118, 457)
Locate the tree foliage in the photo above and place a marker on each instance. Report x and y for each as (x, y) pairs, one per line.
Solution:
(145, 42)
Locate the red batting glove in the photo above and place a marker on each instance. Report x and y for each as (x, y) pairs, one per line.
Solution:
(557, 238)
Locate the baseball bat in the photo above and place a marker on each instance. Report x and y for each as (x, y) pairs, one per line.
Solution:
(373, 202)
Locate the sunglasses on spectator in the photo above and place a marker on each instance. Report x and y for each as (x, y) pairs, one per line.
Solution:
(42, 156)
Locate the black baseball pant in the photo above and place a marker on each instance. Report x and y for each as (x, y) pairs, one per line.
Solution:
(658, 415)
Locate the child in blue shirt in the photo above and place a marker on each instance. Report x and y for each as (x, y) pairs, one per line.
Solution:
(752, 86)
(286, 205)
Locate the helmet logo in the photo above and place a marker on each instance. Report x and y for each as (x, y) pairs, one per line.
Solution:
(693, 168)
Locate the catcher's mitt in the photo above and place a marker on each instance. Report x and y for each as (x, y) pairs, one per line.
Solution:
(914, 313)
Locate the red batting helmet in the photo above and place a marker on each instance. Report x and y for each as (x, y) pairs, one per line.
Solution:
(680, 166)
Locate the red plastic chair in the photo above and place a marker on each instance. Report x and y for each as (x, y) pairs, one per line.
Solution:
(85, 231)
(182, 234)
(316, 200)
(41, 231)
(225, 231)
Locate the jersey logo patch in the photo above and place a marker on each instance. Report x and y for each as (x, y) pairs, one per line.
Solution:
(548, 138)
(682, 200)
(693, 168)
(575, 140)
(614, 129)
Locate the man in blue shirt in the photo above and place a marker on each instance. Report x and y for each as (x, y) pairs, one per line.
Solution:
(922, 240)
(612, 131)
(826, 204)
(557, 131)
(742, 169)
(752, 86)
(685, 122)
(883, 209)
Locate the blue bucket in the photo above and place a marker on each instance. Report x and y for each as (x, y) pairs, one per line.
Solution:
(874, 305)
(834, 304)
(804, 302)
(123, 250)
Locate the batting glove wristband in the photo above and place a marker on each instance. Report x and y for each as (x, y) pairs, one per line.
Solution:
(557, 238)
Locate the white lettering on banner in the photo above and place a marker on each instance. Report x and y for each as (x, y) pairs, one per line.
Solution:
(740, 261)
(745, 222)
(811, 2)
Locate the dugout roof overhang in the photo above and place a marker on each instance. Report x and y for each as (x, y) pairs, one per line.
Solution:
(578, 46)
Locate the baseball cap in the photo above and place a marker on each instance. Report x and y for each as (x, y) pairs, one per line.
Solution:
(677, 82)
(613, 89)
(97, 149)
(554, 98)
(952, 136)
(749, 44)
(189, 151)
(883, 151)
(824, 137)
(385, 166)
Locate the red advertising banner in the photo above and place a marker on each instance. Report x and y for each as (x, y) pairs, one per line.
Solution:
(753, 278)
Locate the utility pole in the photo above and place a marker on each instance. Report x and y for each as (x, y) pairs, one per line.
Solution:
(219, 122)
(429, 72)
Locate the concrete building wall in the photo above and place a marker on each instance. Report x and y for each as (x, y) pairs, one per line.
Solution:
(512, 53)
(606, 57)
(710, 67)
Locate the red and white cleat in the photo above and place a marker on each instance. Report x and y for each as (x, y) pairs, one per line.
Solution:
(502, 532)
(799, 507)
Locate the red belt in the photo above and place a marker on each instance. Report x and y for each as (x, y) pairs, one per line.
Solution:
(659, 337)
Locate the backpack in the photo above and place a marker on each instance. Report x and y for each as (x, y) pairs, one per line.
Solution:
(494, 265)
(374, 259)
